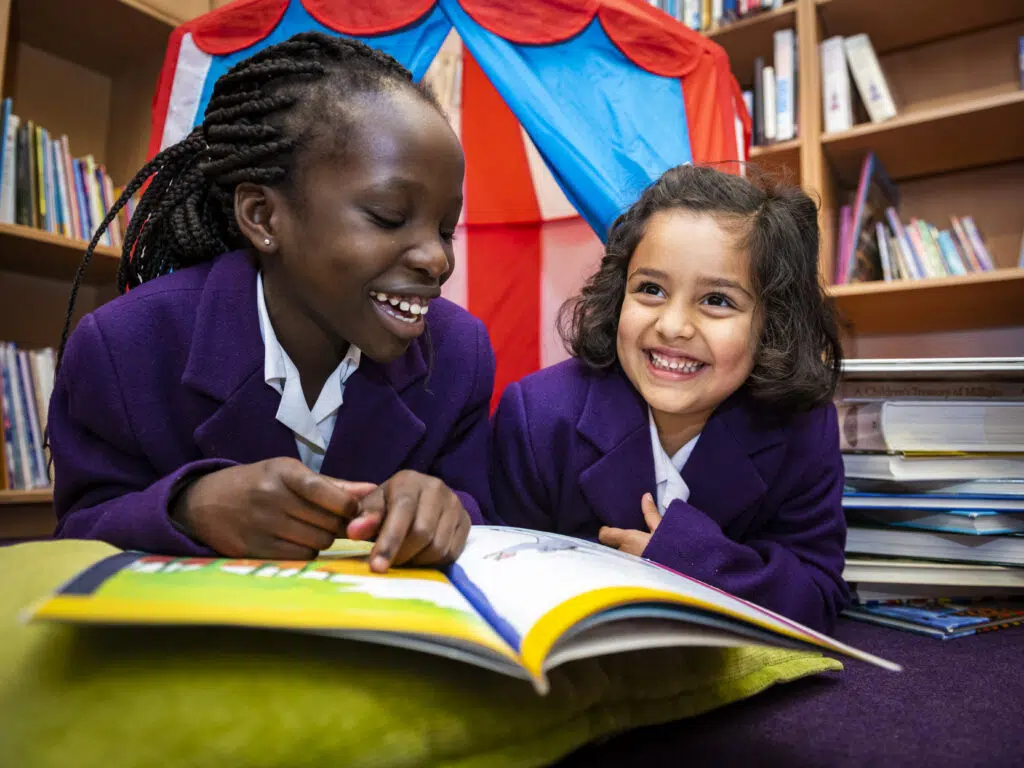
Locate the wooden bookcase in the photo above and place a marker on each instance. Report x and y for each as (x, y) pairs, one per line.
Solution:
(87, 68)
(956, 147)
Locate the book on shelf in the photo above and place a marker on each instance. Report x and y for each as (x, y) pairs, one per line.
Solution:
(977, 520)
(517, 602)
(945, 619)
(43, 186)
(935, 545)
(772, 101)
(869, 78)
(932, 426)
(837, 98)
(875, 244)
(26, 377)
(711, 15)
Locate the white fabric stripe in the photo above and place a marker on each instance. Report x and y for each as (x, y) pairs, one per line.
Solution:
(570, 253)
(189, 77)
(457, 286)
(550, 198)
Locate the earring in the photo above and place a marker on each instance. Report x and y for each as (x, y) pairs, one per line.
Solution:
(266, 241)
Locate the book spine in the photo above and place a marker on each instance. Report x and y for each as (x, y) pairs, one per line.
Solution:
(770, 114)
(759, 137)
(914, 260)
(977, 243)
(883, 252)
(835, 92)
(785, 92)
(69, 177)
(860, 427)
(23, 177)
(35, 436)
(949, 252)
(867, 74)
(11, 469)
(8, 191)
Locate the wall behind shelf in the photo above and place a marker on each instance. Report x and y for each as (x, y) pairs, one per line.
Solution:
(32, 308)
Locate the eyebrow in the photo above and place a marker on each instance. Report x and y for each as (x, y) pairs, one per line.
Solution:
(405, 185)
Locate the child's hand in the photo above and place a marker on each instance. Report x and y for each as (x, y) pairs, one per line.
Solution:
(627, 540)
(274, 509)
(420, 522)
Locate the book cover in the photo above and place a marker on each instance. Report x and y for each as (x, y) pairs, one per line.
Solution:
(867, 74)
(945, 619)
(518, 602)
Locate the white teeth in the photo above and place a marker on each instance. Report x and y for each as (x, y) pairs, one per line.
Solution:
(677, 366)
(408, 306)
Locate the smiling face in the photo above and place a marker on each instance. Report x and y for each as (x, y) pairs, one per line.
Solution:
(687, 330)
(365, 241)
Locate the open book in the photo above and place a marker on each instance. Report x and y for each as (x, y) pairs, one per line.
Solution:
(518, 602)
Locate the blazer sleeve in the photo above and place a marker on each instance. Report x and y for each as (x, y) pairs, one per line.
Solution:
(104, 486)
(463, 460)
(794, 564)
(520, 499)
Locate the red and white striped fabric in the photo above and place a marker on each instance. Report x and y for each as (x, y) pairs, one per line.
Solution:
(521, 248)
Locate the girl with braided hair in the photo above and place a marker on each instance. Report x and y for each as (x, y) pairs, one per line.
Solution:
(270, 378)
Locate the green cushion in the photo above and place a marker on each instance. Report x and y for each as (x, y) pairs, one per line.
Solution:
(125, 697)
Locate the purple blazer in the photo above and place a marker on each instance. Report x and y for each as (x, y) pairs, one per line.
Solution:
(167, 381)
(572, 453)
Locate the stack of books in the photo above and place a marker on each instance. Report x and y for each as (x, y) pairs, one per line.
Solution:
(875, 244)
(933, 451)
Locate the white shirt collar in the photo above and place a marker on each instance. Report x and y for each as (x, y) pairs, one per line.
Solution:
(667, 471)
(280, 373)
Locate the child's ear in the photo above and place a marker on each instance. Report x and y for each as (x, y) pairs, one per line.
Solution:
(254, 213)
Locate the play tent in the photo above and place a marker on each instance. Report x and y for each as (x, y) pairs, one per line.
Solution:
(566, 110)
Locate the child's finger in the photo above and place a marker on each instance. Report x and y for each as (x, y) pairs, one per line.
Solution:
(358, 489)
(611, 537)
(319, 490)
(650, 510)
(399, 516)
(371, 514)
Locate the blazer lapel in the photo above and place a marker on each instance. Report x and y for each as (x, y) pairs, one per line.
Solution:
(376, 430)
(226, 364)
(615, 421)
(721, 473)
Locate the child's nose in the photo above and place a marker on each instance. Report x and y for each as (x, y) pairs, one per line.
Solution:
(676, 321)
(430, 259)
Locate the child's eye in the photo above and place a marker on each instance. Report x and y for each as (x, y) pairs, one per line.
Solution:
(448, 237)
(718, 300)
(650, 289)
(386, 221)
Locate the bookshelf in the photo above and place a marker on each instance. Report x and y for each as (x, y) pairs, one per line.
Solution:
(88, 70)
(955, 147)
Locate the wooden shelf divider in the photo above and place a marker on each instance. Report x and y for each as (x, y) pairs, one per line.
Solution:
(36, 252)
(952, 137)
(977, 300)
(897, 24)
(35, 496)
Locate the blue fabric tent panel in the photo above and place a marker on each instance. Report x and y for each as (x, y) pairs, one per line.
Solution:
(605, 127)
(414, 46)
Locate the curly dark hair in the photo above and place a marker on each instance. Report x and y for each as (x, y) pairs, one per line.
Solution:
(266, 115)
(799, 356)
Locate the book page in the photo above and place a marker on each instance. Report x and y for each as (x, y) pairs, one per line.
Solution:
(334, 594)
(538, 586)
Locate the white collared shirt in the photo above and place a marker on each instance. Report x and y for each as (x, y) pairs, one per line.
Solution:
(312, 428)
(671, 485)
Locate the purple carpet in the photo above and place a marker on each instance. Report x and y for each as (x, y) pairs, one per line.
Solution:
(957, 702)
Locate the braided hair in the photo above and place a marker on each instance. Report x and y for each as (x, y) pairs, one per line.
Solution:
(262, 112)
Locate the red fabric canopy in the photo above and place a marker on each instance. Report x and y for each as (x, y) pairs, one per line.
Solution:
(636, 28)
